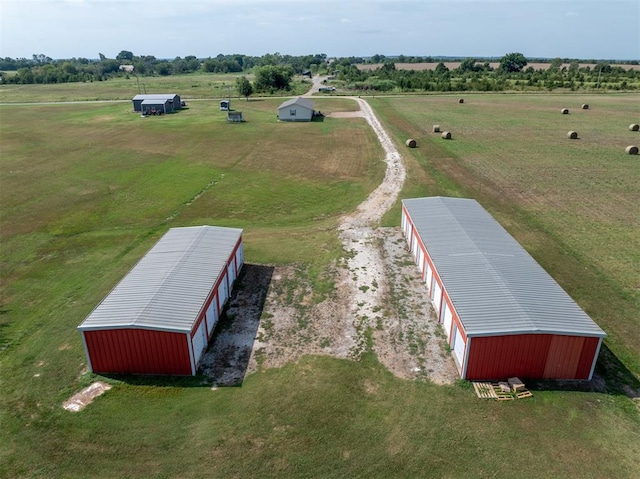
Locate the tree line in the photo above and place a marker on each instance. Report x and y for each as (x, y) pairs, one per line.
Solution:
(512, 73)
(274, 72)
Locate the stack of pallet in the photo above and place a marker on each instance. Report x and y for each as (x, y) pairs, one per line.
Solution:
(518, 388)
(512, 389)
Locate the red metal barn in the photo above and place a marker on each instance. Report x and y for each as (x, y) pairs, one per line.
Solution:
(503, 314)
(158, 319)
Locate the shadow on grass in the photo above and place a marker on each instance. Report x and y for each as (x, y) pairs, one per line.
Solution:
(611, 376)
(226, 360)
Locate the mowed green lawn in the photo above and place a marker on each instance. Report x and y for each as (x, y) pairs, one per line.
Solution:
(87, 189)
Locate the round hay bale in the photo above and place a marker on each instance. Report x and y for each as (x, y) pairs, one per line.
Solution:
(585, 106)
(436, 128)
(461, 100)
(634, 127)
(446, 135)
(565, 111)
(631, 150)
(572, 135)
(411, 143)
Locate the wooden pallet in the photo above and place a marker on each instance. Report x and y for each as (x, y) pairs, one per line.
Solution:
(487, 390)
(524, 394)
(484, 390)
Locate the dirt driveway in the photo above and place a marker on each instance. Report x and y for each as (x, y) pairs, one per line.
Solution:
(378, 288)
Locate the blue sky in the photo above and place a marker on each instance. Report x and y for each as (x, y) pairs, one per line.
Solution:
(583, 29)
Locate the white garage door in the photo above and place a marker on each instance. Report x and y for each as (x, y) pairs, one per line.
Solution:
(231, 271)
(446, 323)
(429, 278)
(437, 296)
(199, 342)
(212, 315)
(240, 257)
(459, 345)
(223, 290)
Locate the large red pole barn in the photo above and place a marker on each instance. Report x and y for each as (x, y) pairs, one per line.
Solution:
(502, 313)
(158, 319)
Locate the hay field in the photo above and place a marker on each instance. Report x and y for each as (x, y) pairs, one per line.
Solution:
(582, 195)
(494, 65)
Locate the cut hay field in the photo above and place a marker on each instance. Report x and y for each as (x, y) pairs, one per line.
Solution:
(494, 65)
(574, 204)
(85, 191)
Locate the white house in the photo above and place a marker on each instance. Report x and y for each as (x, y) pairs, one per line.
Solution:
(298, 109)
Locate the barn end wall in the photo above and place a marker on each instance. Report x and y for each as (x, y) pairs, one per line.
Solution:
(138, 351)
(535, 356)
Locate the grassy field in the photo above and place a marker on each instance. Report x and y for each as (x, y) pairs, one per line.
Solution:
(197, 85)
(87, 189)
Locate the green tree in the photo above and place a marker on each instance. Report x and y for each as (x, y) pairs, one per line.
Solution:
(513, 62)
(468, 65)
(441, 68)
(124, 56)
(244, 87)
(273, 77)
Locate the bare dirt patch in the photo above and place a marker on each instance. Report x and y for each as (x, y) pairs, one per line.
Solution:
(79, 401)
(379, 295)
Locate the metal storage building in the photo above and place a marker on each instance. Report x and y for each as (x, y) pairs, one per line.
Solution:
(156, 106)
(503, 314)
(159, 317)
(172, 101)
(298, 109)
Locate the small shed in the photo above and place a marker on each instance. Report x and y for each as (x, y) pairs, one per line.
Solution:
(502, 313)
(225, 105)
(235, 117)
(171, 99)
(158, 319)
(155, 107)
(297, 109)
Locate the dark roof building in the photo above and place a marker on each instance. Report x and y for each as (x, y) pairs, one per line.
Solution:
(172, 101)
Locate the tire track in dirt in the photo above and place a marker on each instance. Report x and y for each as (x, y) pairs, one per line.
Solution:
(378, 289)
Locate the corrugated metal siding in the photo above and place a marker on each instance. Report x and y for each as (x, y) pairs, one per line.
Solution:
(531, 356)
(505, 356)
(168, 288)
(138, 351)
(494, 284)
(587, 358)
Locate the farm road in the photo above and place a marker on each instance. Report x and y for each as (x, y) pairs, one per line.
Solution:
(378, 289)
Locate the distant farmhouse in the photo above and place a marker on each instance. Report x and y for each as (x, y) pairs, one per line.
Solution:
(159, 103)
(298, 109)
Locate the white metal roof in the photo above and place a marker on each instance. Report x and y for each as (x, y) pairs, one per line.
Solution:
(297, 101)
(496, 287)
(168, 287)
(155, 96)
